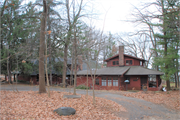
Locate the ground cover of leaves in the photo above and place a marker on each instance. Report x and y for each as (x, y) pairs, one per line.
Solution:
(170, 99)
(32, 105)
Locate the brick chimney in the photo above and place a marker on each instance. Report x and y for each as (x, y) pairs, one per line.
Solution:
(121, 55)
(80, 61)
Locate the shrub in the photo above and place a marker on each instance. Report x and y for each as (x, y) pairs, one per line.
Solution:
(82, 87)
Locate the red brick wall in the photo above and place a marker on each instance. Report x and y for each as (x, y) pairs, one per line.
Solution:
(24, 78)
(134, 61)
(55, 79)
(82, 80)
(134, 84)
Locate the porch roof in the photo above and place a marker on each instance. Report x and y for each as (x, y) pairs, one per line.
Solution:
(126, 70)
(139, 70)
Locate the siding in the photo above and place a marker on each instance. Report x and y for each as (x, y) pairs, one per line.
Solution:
(135, 62)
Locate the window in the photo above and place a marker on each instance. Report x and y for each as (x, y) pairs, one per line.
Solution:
(97, 81)
(115, 62)
(140, 63)
(152, 80)
(115, 81)
(109, 81)
(103, 81)
(128, 62)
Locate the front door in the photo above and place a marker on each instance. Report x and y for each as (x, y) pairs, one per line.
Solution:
(143, 83)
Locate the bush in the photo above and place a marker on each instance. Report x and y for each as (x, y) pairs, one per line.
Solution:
(82, 87)
(23, 82)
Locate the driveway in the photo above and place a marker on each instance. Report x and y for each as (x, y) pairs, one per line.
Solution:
(137, 108)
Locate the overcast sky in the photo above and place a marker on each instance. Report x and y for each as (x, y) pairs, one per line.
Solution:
(117, 12)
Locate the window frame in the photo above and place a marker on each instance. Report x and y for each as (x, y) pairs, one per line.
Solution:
(152, 83)
(103, 81)
(115, 81)
(109, 81)
(115, 62)
(128, 61)
(97, 81)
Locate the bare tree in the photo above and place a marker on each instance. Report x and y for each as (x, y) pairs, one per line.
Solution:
(42, 87)
(71, 23)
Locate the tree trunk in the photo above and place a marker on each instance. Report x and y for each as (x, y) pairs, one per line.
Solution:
(165, 45)
(178, 85)
(42, 87)
(65, 64)
(93, 91)
(72, 64)
(49, 40)
(75, 61)
(87, 85)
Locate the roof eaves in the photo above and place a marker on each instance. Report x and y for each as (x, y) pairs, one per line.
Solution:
(134, 57)
(111, 57)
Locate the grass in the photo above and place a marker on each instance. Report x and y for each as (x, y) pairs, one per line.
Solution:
(133, 90)
(172, 84)
(82, 87)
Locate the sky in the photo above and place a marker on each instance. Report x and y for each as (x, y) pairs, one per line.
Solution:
(116, 12)
(112, 14)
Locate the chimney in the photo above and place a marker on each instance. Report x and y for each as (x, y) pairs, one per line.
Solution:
(80, 61)
(121, 55)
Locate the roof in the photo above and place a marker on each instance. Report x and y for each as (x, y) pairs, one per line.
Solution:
(106, 71)
(139, 70)
(126, 70)
(124, 55)
(91, 63)
(56, 60)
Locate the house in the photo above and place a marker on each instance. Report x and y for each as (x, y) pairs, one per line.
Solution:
(122, 72)
(56, 71)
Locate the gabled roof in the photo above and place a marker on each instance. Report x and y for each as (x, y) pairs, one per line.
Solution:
(125, 70)
(124, 55)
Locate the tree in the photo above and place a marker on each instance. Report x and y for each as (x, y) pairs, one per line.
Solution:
(16, 33)
(42, 88)
(71, 23)
(163, 35)
(168, 40)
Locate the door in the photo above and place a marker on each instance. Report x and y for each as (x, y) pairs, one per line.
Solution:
(143, 83)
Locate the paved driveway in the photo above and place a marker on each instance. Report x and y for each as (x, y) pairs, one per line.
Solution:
(137, 108)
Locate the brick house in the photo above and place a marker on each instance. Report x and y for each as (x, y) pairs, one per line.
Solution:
(119, 68)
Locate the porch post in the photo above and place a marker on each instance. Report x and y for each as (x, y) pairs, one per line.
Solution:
(147, 83)
(119, 82)
(156, 81)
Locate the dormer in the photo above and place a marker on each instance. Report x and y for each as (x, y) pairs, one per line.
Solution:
(122, 59)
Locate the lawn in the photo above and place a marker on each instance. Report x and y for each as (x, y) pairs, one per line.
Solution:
(172, 84)
(32, 105)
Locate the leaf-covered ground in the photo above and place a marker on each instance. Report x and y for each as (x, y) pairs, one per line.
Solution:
(171, 99)
(31, 105)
